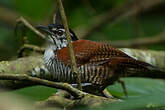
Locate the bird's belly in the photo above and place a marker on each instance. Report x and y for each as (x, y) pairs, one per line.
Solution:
(96, 74)
(90, 73)
(60, 72)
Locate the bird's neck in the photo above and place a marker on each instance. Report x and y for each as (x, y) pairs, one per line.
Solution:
(55, 45)
(51, 49)
(50, 52)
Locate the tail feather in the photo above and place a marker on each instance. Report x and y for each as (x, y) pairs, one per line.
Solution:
(138, 68)
(130, 67)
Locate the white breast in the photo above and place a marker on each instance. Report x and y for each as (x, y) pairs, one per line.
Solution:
(60, 71)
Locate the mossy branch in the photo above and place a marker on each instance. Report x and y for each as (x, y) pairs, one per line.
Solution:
(37, 81)
(89, 100)
(80, 98)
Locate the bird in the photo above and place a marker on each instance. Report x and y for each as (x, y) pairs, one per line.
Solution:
(98, 63)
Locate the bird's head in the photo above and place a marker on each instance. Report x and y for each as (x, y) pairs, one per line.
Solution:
(56, 35)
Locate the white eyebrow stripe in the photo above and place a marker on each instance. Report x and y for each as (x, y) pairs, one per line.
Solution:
(62, 30)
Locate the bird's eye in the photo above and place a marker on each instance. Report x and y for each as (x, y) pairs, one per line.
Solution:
(60, 32)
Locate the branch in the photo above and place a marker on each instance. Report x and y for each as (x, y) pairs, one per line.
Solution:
(37, 81)
(19, 66)
(31, 47)
(73, 60)
(158, 39)
(80, 98)
(156, 58)
(58, 100)
(27, 24)
(117, 14)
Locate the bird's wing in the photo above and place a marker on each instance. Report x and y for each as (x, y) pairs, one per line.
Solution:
(90, 52)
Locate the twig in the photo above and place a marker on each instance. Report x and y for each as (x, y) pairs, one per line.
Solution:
(21, 19)
(54, 14)
(158, 39)
(31, 47)
(73, 60)
(54, 18)
(117, 14)
(64, 86)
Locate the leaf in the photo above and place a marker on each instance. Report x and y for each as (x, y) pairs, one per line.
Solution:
(34, 93)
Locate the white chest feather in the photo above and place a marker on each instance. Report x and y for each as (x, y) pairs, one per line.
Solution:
(58, 69)
(49, 54)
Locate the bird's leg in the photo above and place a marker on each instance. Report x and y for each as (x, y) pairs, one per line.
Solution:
(123, 86)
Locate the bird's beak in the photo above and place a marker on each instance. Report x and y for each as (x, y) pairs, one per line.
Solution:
(44, 29)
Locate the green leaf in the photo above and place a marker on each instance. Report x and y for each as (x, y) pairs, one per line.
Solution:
(34, 93)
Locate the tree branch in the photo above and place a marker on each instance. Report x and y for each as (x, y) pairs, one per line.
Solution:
(73, 60)
(31, 47)
(80, 98)
(27, 24)
(156, 58)
(19, 66)
(37, 81)
(158, 39)
(88, 100)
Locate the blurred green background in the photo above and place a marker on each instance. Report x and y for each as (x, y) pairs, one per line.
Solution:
(81, 13)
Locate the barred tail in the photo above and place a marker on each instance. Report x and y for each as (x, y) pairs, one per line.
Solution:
(137, 68)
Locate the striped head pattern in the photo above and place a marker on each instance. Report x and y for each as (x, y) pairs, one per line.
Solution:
(57, 36)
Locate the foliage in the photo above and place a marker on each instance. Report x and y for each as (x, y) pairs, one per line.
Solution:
(35, 9)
